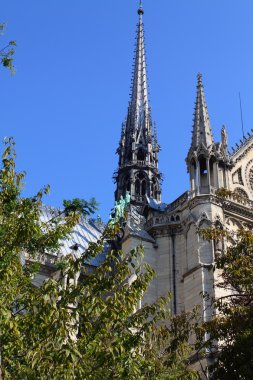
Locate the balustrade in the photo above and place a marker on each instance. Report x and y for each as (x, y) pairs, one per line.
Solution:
(138, 163)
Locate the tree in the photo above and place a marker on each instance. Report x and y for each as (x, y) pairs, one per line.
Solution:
(86, 329)
(7, 52)
(231, 329)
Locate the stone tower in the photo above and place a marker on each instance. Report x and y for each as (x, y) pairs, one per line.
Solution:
(138, 148)
(208, 162)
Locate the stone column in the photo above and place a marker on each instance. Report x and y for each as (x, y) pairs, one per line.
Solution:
(193, 177)
(132, 185)
(208, 174)
(227, 178)
(215, 175)
(199, 179)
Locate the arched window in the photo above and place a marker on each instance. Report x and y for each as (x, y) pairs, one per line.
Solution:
(203, 180)
(202, 164)
(140, 184)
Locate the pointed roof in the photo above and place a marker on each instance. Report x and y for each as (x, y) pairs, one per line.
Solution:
(202, 132)
(139, 105)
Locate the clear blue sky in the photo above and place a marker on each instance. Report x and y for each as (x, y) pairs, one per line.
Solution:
(66, 103)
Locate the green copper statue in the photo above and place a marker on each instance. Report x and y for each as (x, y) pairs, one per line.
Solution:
(119, 209)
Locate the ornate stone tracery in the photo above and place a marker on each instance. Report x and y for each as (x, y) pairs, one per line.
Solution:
(251, 178)
(249, 175)
(242, 193)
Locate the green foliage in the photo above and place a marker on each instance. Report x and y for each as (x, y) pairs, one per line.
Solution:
(225, 193)
(78, 329)
(7, 52)
(231, 330)
(80, 205)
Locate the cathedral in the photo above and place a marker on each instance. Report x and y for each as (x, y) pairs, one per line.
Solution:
(183, 261)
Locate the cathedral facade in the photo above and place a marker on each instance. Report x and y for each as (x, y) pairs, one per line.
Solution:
(183, 261)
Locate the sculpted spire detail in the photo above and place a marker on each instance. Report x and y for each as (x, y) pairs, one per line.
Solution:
(138, 150)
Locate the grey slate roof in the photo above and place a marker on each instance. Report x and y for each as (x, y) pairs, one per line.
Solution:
(86, 231)
(154, 204)
(135, 225)
(139, 232)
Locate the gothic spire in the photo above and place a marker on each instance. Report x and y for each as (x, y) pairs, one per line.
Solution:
(202, 132)
(139, 105)
(138, 149)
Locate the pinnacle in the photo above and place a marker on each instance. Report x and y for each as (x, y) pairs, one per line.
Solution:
(199, 77)
(202, 132)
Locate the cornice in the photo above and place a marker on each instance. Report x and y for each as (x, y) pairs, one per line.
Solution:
(243, 154)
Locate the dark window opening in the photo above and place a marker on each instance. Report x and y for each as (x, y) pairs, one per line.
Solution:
(137, 187)
(129, 156)
(141, 156)
(203, 168)
(203, 180)
(143, 188)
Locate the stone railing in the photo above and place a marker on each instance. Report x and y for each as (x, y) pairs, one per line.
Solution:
(162, 220)
(139, 198)
(241, 201)
(138, 163)
(168, 219)
(180, 200)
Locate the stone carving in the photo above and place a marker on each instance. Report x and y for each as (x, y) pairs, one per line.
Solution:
(249, 175)
(251, 178)
(224, 138)
(203, 220)
(242, 193)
